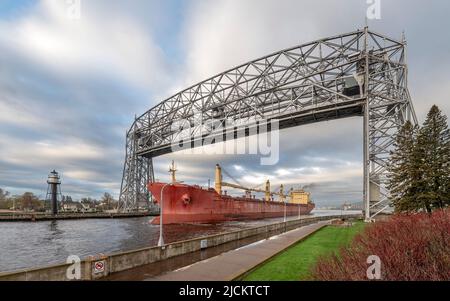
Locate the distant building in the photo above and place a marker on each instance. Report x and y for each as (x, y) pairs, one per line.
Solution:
(300, 197)
(71, 207)
(88, 207)
(346, 206)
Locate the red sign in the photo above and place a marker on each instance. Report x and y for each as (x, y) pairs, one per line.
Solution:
(99, 266)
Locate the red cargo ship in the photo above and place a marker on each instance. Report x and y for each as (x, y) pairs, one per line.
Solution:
(193, 204)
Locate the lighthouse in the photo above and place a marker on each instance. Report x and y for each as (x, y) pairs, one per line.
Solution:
(53, 190)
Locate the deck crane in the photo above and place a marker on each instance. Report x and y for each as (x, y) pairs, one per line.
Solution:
(219, 183)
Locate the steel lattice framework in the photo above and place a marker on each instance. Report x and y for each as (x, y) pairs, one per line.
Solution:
(362, 73)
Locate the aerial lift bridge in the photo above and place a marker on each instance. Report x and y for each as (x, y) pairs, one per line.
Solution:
(361, 73)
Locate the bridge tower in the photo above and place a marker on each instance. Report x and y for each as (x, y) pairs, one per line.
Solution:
(361, 73)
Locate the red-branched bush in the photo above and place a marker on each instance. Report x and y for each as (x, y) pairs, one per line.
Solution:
(411, 247)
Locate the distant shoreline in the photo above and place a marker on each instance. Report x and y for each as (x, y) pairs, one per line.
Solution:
(33, 217)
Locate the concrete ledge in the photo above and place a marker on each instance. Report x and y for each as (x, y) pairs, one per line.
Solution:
(121, 261)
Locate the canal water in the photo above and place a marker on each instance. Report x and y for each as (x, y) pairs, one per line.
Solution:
(33, 244)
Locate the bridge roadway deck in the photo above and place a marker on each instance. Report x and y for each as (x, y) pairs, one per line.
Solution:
(232, 264)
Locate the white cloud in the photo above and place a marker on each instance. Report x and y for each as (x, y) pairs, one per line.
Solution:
(66, 88)
(44, 153)
(100, 41)
(222, 34)
(18, 114)
(283, 172)
(437, 91)
(238, 167)
(83, 175)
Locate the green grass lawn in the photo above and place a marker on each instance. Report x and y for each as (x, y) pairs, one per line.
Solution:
(296, 262)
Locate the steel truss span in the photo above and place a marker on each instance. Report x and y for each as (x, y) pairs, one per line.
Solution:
(362, 73)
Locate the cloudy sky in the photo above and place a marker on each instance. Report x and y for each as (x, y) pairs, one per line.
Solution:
(70, 87)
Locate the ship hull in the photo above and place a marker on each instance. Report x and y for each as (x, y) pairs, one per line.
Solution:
(193, 204)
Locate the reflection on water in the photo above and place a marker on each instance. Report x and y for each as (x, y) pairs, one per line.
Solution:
(32, 244)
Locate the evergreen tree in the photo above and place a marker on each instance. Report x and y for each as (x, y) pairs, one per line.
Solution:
(418, 194)
(419, 168)
(401, 169)
(434, 147)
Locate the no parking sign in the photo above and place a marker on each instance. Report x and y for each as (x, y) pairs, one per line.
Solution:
(99, 266)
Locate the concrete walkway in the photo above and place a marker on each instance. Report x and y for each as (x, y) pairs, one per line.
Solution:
(232, 264)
